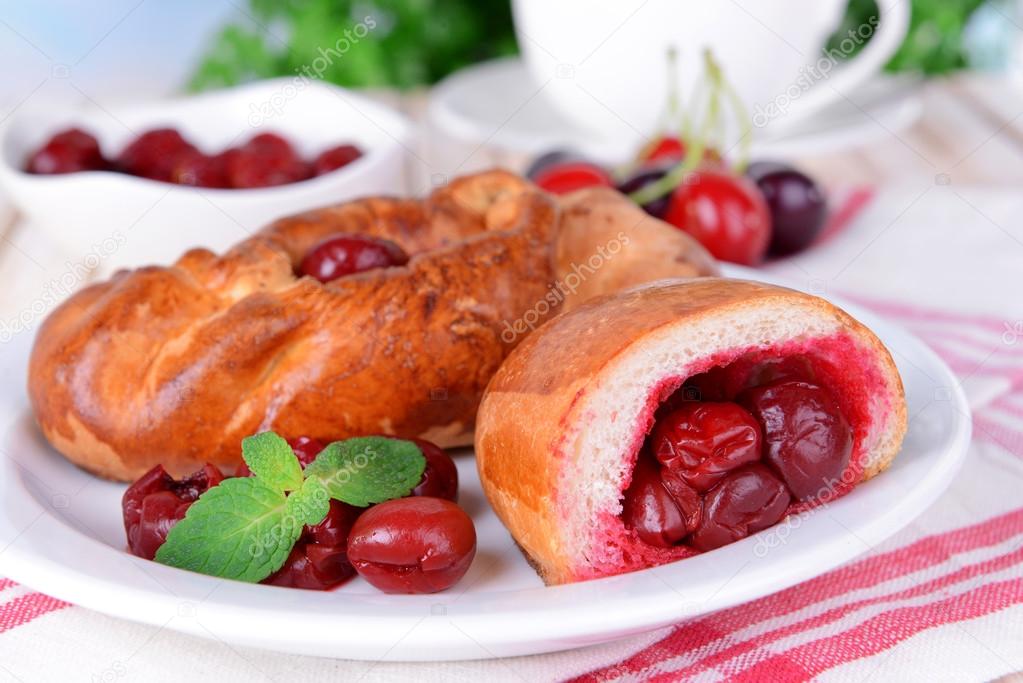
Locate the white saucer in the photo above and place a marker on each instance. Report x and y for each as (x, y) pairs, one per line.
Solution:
(61, 533)
(496, 103)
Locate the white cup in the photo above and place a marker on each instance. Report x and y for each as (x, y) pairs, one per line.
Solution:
(604, 65)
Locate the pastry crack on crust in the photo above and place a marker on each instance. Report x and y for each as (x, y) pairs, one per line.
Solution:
(175, 365)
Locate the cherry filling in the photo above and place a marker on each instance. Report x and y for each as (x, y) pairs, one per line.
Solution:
(156, 502)
(732, 450)
(319, 560)
(342, 255)
(808, 441)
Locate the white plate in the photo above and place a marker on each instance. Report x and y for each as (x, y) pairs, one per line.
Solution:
(497, 103)
(61, 533)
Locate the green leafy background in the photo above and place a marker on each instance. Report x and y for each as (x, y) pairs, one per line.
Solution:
(418, 42)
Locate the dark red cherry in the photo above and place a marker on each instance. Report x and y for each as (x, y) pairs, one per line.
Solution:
(156, 502)
(778, 369)
(746, 501)
(155, 154)
(807, 439)
(347, 254)
(548, 159)
(797, 204)
(703, 442)
(264, 161)
(67, 152)
(413, 545)
(319, 560)
(440, 479)
(201, 170)
(335, 158)
(643, 176)
(662, 511)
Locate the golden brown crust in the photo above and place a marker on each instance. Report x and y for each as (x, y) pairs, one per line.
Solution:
(175, 365)
(537, 395)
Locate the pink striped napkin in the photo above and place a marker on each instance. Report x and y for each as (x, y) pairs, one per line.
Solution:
(943, 600)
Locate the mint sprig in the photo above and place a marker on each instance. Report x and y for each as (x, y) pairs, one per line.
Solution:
(369, 469)
(245, 527)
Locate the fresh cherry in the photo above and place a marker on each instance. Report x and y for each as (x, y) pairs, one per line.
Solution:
(748, 500)
(155, 154)
(264, 161)
(67, 152)
(335, 158)
(342, 255)
(797, 204)
(319, 560)
(807, 438)
(156, 502)
(725, 213)
(703, 442)
(553, 158)
(440, 479)
(660, 507)
(571, 176)
(642, 177)
(412, 545)
(201, 170)
(667, 147)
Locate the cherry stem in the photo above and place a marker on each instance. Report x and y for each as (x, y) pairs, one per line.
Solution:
(694, 155)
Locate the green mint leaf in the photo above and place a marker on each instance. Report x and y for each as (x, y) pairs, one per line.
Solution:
(368, 469)
(241, 529)
(311, 503)
(271, 459)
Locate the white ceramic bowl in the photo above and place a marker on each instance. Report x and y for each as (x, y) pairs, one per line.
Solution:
(130, 221)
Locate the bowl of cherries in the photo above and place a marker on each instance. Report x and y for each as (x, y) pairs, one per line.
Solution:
(144, 183)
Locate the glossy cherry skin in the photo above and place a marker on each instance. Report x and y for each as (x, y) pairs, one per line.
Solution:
(748, 500)
(660, 507)
(335, 158)
(703, 442)
(797, 204)
(319, 560)
(265, 161)
(571, 176)
(201, 170)
(667, 148)
(67, 152)
(726, 213)
(155, 154)
(412, 545)
(348, 254)
(440, 478)
(642, 177)
(156, 502)
(807, 439)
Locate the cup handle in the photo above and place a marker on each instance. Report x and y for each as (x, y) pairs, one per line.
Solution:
(893, 23)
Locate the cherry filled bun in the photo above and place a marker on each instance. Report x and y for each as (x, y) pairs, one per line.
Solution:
(574, 426)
